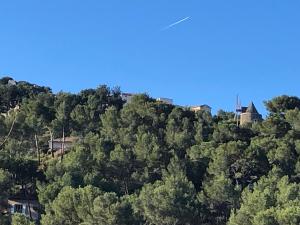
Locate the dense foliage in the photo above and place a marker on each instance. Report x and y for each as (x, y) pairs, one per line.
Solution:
(146, 162)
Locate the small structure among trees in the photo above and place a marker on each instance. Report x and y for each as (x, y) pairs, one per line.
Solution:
(27, 207)
(197, 108)
(250, 115)
(60, 145)
(246, 115)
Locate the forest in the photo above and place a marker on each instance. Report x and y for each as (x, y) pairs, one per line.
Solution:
(145, 162)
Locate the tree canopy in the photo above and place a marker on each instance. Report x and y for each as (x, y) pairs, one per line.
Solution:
(146, 162)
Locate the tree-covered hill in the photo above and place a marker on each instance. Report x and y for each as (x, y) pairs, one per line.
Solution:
(146, 162)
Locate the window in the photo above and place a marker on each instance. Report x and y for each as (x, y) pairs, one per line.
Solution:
(18, 208)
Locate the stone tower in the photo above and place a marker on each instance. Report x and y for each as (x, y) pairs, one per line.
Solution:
(249, 115)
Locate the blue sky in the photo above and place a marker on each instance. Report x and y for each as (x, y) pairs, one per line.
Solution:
(226, 47)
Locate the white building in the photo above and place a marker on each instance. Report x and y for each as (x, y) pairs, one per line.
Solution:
(165, 100)
(200, 107)
(11, 82)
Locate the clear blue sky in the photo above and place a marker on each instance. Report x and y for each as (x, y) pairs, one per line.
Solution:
(226, 47)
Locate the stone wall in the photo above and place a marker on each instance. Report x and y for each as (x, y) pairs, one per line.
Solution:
(250, 118)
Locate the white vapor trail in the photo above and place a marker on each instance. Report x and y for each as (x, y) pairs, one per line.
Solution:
(173, 24)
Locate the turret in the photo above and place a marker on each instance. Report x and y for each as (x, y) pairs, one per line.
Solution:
(250, 115)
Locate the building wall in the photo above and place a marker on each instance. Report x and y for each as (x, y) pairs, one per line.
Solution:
(58, 145)
(127, 97)
(198, 108)
(23, 205)
(250, 118)
(166, 100)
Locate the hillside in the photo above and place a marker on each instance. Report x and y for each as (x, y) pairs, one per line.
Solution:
(91, 158)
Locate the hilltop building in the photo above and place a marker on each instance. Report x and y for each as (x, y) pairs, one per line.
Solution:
(249, 114)
(165, 100)
(11, 82)
(197, 108)
(126, 97)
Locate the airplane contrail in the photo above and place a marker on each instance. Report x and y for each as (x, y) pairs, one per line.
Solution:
(173, 24)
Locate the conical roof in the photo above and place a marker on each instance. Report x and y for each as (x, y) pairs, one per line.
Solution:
(251, 108)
